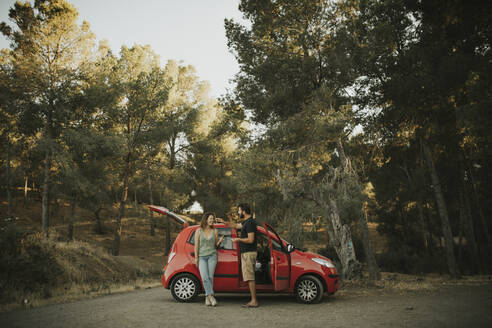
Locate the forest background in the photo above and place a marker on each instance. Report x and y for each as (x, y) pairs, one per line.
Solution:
(344, 113)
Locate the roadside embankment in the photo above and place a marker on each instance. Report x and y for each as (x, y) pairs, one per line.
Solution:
(36, 271)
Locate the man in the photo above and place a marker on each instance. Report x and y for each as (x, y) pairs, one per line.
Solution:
(248, 247)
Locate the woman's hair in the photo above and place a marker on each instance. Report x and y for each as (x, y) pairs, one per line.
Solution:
(203, 223)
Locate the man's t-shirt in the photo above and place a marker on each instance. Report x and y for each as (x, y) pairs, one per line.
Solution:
(248, 226)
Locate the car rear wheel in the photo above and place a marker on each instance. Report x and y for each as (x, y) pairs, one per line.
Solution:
(309, 290)
(185, 287)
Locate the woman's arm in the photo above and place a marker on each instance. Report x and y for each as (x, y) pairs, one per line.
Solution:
(197, 240)
(217, 240)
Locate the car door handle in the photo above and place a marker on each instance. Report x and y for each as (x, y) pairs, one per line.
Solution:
(192, 254)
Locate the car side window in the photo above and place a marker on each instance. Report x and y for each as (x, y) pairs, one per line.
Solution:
(191, 239)
(276, 246)
(226, 243)
(263, 242)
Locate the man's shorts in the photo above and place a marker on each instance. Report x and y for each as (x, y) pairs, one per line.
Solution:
(248, 261)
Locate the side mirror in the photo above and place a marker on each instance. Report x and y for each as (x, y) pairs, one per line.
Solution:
(290, 248)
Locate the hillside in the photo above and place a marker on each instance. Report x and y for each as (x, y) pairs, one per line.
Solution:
(83, 267)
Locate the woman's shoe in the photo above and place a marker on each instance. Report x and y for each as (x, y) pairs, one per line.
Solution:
(213, 301)
(207, 300)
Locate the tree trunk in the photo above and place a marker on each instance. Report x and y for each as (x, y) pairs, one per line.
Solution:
(483, 221)
(99, 225)
(26, 180)
(172, 153)
(426, 238)
(460, 232)
(341, 240)
(46, 191)
(121, 210)
(374, 273)
(172, 164)
(72, 218)
(423, 225)
(9, 191)
(443, 213)
(469, 227)
(151, 199)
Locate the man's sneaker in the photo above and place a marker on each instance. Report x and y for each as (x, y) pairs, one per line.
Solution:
(207, 300)
(213, 301)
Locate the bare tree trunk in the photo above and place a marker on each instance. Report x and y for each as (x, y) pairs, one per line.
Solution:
(72, 218)
(151, 199)
(443, 213)
(121, 210)
(46, 191)
(341, 240)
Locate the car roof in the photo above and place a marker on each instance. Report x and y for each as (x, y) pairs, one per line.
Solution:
(222, 225)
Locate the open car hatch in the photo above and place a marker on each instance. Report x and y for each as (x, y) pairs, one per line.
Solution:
(165, 211)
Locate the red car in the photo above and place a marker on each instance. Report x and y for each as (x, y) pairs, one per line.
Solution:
(280, 267)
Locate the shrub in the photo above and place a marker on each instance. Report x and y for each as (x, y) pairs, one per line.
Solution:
(405, 260)
(27, 263)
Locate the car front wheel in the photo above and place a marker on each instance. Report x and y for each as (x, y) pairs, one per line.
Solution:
(185, 287)
(309, 290)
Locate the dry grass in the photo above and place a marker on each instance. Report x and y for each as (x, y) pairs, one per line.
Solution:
(402, 283)
(87, 271)
(87, 268)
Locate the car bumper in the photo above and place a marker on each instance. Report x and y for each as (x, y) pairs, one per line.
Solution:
(165, 277)
(332, 279)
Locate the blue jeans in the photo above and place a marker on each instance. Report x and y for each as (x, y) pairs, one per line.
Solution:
(206, 265)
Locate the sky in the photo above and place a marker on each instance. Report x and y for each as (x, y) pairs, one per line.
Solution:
(188, 30)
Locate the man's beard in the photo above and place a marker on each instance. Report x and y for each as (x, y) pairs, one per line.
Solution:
(241, 216)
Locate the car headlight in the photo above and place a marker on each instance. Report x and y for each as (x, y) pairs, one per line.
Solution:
(170, 257)
(325, 263)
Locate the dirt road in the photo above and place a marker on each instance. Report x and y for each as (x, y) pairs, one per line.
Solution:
(448, 306)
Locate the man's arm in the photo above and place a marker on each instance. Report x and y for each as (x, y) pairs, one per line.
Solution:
(249, 240)
(230, 224)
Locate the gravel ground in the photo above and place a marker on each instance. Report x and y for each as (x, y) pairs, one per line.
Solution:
(447, 306)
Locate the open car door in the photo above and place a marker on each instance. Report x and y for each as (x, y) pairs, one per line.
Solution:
(280, 260)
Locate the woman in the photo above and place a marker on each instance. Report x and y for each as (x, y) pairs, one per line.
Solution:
(206, 243)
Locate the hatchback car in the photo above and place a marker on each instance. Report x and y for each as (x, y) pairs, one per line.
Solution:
(280, 267)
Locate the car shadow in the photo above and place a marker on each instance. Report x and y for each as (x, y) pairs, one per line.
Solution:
(265, 299)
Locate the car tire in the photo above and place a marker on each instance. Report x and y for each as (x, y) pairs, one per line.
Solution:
(308, 290)
(185, 287)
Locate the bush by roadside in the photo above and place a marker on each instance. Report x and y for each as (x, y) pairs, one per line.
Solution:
(33, 268)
